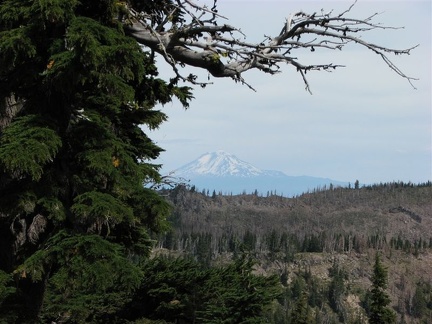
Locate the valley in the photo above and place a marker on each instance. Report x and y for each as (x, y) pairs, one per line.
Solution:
(301, 239)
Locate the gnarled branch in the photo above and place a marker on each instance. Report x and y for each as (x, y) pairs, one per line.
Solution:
(201, 41)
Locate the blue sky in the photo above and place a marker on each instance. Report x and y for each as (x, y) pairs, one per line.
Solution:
(362, 122)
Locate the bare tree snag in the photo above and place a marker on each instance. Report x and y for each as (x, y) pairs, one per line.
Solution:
(199, 40)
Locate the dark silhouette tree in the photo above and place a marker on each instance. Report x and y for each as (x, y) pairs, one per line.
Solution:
(74, 90)
(357, 185)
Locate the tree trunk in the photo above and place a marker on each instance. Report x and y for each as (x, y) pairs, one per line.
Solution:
(9, 108)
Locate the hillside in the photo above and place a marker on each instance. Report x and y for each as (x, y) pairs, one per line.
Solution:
(301, 238)
(386, 211)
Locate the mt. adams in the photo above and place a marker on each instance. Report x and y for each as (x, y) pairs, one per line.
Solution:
(224, 172)
(222, 164)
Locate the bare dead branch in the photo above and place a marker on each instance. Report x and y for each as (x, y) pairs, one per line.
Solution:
(221, 49)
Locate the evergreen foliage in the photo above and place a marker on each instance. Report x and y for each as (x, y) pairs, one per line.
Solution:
(74, 160)
(380, 313)
(27, 145)
(92, 279)
(301, 311)
(5, 289)
(422, 300)
(185, 291)
(235, 295)
(337, 289)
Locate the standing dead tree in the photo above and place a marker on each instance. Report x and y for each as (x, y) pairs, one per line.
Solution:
(186, 33)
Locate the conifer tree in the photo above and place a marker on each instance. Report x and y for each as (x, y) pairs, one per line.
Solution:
(233, 294)
(185, 291)
(74, 90)
(300, 313)
(336, 290)
(380, 313)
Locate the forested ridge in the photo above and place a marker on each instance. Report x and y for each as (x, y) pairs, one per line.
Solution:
(327, 219)
(302, 239)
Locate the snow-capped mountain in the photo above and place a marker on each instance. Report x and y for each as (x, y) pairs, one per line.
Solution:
(222, 164)
(224, 172)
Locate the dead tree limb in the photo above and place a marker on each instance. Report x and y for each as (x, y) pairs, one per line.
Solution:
(198, 39)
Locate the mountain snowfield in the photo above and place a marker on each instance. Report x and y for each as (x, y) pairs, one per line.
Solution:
(222, 164)
(224, 172)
